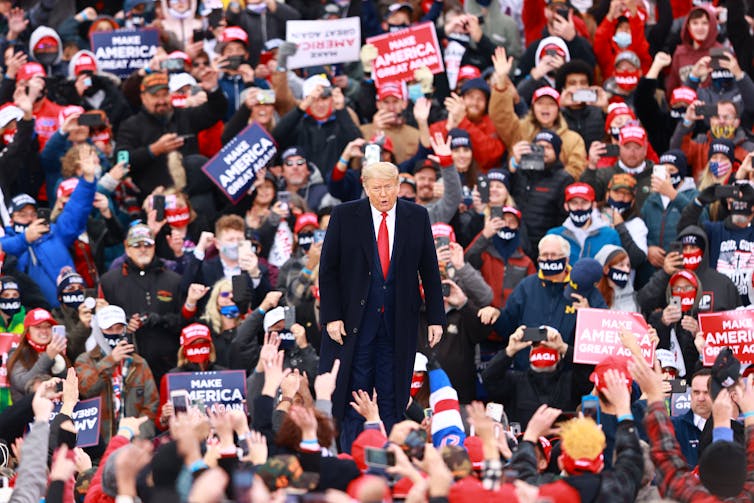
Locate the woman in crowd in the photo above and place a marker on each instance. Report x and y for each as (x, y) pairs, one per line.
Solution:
(616, 284)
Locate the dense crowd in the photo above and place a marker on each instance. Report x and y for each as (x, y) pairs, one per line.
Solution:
(574, 154)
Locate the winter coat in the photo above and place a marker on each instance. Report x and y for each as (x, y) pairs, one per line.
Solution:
(600, 178)
(512, 129)
(43, 259)
(687, 435)
(262, 27)
(662, 221)
(589, 122)
(605, 48)
(405, 139)
(487, 148)
(686, 55)
(598, 235)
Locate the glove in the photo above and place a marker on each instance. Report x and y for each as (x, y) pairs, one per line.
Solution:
(707, 196)
(368, 55)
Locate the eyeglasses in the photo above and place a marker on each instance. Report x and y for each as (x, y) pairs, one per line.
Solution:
(298, 162)
(197, 64)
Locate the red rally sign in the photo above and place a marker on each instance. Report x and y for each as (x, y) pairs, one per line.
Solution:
(597, 335)
(402, 52)
(733, 329)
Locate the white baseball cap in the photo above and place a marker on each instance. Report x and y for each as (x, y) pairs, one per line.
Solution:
(109, 316)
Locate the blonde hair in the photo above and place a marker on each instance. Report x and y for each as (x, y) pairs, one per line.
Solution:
(381, 170)
(70, 162)
(581, 438)
(707, 180)
(212, 316)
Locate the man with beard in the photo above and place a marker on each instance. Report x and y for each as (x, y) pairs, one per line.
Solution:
(426, 173)
(731, 241)
(159, 131)
(150, 295)
(390, 120)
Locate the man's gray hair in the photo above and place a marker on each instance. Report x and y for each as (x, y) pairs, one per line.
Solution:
(565, 246)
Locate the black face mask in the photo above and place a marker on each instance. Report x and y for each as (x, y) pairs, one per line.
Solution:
(580, 217)
(10, 306)
(113, 339)
(506, 233)
(620, 278)
(46, 58)
(305, 240)
(552, 267)
(72, 299)
(19, 228)
(675, 180)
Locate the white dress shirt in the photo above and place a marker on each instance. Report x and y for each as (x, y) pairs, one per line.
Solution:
(389, 221)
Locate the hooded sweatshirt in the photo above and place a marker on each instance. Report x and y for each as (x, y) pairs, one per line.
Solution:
(686, 55)
(181, 24)
(46, 31)
(587, 242)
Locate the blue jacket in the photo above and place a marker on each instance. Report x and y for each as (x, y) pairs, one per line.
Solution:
(43, 259)
(538, 301)
(688, 437)
(662, 222)
(233, 86)
(599, 235)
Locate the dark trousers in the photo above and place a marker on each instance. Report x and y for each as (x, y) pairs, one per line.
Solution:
(371, 369)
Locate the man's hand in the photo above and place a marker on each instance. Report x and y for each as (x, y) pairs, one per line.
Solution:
(309, 100)
(353, 149)
(457, 297)
(70, 392)
(690, 324)
(491, 226)
(434, 334)
(324, 384)
(456, 256)
(271, 300)
(366, 406)
(383, 119)
(42, 404)
(661, 60)
(555, 341)
(338, 99)
(656, 256)
(596, 150)
(743, 395)
(701, 68)
(456, 111)
(208, 79)
(421, 110)
(671, 314)
(617, 392)
(274, 374)
(722, 409)
(122, 350)
(269, 350)
(81, 84)
(205, 240)
(196, 291)
(730, 63)
(129, 463)
(502, 64)
(488, 315)
(62, 468)
(336, 330)
(516, 342)
(13, 64)
(648, 380)
(520, 148)
(672, 263)
(169, 142)
(540, 424)
(691, 115)
(24, 102)
(246, 72)
(484, 428)
(36, 230)
(579, 301)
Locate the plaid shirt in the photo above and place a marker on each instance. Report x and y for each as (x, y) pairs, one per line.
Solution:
(677, 481)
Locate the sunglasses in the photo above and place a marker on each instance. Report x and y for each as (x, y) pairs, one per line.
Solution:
(226, 295)
(197, 64)
(298, 162)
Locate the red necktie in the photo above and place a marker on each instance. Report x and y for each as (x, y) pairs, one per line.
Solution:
(383, 245)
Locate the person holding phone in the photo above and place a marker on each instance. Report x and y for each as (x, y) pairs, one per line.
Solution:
(115, 372)
(237, 74)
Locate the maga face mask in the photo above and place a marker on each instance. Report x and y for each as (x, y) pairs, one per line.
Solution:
(618, 276)
(305, 240)
(579, 217)
(19, 228)
(692, 259)
(627, 80)
(72, 299)
(198, 352)
(687, 300)
(506, 233)
(621, 206)
(552, 267)
(10, 306)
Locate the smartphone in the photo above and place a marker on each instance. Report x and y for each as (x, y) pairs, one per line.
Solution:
(59, 387)
(515, 428)
(44, 214)
(584, 95)
(590, 407)
(185, 137)
(319, 236)
(611, 150)
(414, 444)
(494, 411)
(243, 480)
(378, 458)
(562, 13)
(727, 191)
(551, 52)
(496, 212)
(372, 154)
(287, 339)
(266, 97)
(445, 289)
(284, 197)
(58, 330)
(706, 110)
(128, 337)
(241, 291)
(244, 248)
(173, 65)
(441, 241)
(676, 246)
(199, 35)
(675, 301)
(659, 171)
(158, 203)
(428, 413)
(180, 400)
(290, 316)
(233, 63)
(124, 156)
(483, 187)
(535, 334)
(716, 54)
(678, 385)
(91, 120)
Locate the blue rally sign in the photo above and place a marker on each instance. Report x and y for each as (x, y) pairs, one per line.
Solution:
(235, 167)
(86, 417)
(123, 52)
(226, 387)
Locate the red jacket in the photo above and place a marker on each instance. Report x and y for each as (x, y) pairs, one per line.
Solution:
(95, 493)
(46, 120)
(533, 17)
(605, 49)
(486, 145)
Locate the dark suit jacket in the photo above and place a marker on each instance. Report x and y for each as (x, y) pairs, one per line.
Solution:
(344, 280)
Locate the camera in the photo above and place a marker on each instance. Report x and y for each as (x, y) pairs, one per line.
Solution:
(534, 160)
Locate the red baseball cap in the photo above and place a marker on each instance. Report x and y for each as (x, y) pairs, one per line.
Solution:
(546, 91)
(476, 451)
(390, 89)
(618, 363)
(67, 187)
(441, 229)
(512, 211)
(384, 141)
(37, 317)
(234, 34)
(616, 110)
(193, 333)
(579, 189)
(68, 111)
(84, 62)
(181, 55)
(469, 72)
(30, 70)
(305, 219)
(635, 134)
(682, 94)
(554, 47)
(367, 438)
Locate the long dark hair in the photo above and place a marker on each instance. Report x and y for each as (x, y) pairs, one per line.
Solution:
(26, 355)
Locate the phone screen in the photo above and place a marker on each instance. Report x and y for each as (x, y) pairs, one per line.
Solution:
(180, 402)
(590, 407)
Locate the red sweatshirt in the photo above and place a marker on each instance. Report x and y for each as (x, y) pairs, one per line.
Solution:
(605, 49)
(486, 145)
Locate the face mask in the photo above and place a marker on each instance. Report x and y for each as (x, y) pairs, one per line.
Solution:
(580, 217)
(740, 208)
(720, 169)
(461, 38)
(19, 228)
(627, 80)
(691, 260)
(677, 113)
(676, 180)
(305, 240)
(46, 58)
(10, 306)
(113, 339)
(687, 300)
(552, 267)
(727, 132)
(622, 39)
(8, 137)
(506, 233)
(392, 28)
(417, 379)
(615, 132)
(198, 353)
(230, 251)
(73, 299)
(617, 276)
(415, 92)
(230, 311)
(257, 8)
(621, 206)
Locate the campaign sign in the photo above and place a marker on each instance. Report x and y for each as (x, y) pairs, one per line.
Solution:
(597, 335)
(324, 42)
(86, 417)
(226, 387)
(123, 52)
(680, 403)
(235, 167)
(7, 343)
(401, 52)
(734, 329)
